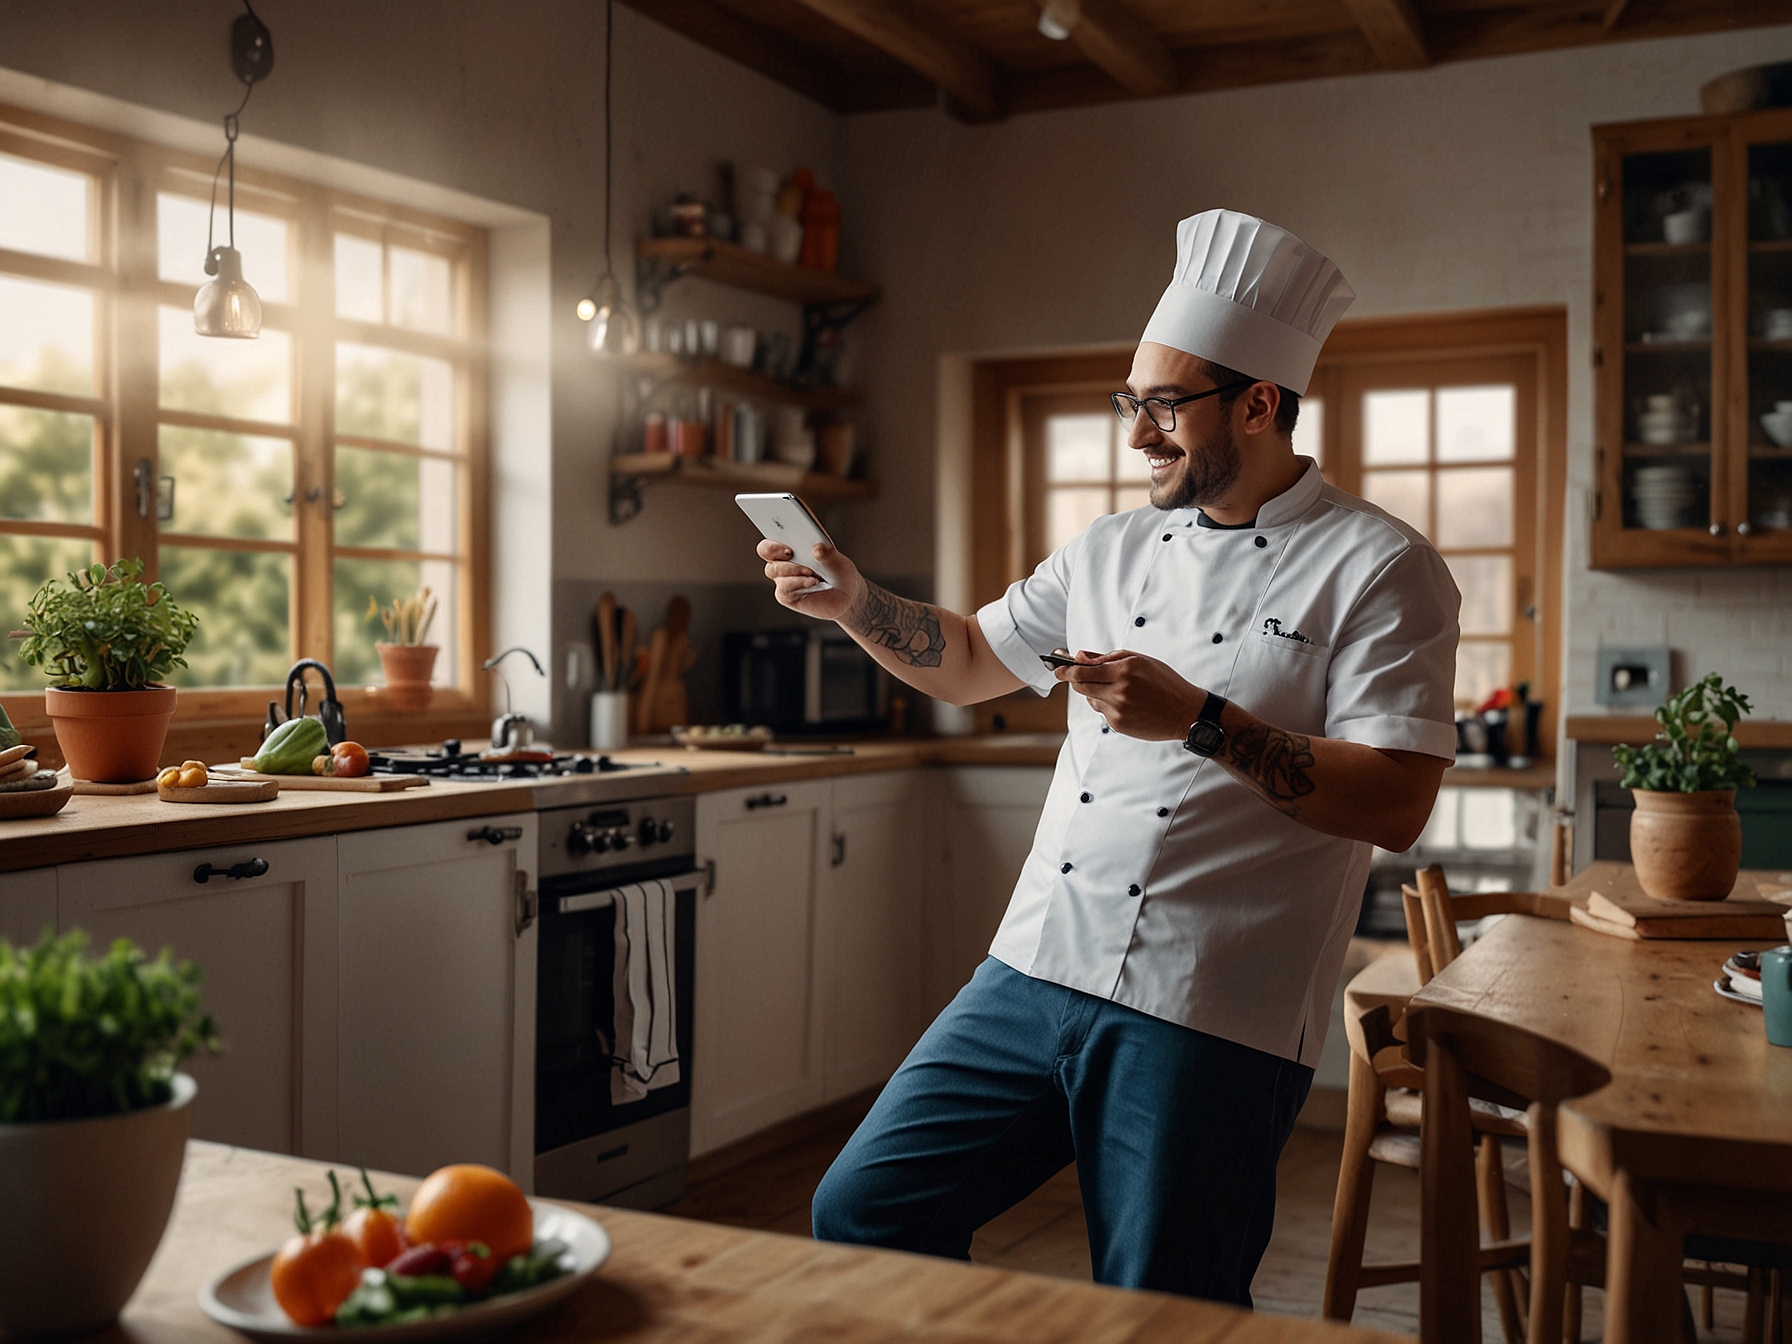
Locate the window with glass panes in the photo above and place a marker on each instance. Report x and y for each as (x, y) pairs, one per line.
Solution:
(303, 476)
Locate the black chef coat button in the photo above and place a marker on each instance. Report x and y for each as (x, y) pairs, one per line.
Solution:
(1105, 728)
(1218, 638)
(1163, 811)
(1166, 536)
(1138, 620)
(1064, 868)
(1088, 797)
(1262, 542)
(1134, 889)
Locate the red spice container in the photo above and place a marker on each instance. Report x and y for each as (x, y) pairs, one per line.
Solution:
(821, 231)
(654, 438)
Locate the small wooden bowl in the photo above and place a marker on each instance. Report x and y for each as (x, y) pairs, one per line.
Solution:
(35, 802)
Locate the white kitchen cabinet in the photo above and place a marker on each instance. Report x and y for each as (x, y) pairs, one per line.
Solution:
(434, 965)
(27, 905)
(984, 818)
(260, 937)
(756, 1048)
(870, 928)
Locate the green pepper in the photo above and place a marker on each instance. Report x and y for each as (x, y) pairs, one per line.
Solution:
(290, 748)
(424, 1290)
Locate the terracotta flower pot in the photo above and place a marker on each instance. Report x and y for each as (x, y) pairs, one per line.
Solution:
(407, 668)
(86, 1204)
(1686, 846)
(111, 737)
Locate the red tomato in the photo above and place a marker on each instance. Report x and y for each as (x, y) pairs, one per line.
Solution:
(421, 1260)
(348, 759)
(472, 1264)
(313, 1273)
(378, 1234)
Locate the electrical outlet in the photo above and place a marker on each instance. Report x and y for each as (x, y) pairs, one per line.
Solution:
(1630, 678)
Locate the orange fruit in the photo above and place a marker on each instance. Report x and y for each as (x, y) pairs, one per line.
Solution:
(468, 1202)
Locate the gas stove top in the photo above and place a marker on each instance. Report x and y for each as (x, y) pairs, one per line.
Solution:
(450, 762)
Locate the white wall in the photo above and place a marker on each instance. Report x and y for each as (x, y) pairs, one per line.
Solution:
(1467, 186)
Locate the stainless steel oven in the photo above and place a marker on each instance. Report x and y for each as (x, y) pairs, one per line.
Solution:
(586, 1146)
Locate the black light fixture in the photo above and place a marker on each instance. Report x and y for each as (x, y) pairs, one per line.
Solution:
(612, 326)
(228, 306)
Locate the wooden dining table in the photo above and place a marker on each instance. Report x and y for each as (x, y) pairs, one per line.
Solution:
(677, 1281)
(1694, 1131)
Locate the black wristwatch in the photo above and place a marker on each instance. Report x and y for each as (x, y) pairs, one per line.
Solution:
(1205, 736)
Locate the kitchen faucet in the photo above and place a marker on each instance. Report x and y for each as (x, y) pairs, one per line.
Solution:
(511, 731)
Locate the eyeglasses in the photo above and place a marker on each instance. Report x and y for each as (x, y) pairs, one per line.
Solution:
(1161, 412)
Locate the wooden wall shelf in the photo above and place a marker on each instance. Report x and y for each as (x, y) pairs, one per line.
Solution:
(1636, 729)
(732, 264)
(630, 471)
(740, 382)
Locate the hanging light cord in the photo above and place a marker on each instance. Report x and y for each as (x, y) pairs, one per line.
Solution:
(229, 156)
(609, 133)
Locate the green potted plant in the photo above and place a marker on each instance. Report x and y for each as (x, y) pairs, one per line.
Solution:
(1685, 836)
(106, 639)
(405, 658)
(94, 1118)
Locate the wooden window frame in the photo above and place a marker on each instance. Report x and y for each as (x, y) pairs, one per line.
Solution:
(129, 174)
(1000, 471)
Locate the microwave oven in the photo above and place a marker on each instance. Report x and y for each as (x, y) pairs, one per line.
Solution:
(812, 680)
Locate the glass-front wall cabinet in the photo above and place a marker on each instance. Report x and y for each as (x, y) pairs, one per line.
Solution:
(1693, 332)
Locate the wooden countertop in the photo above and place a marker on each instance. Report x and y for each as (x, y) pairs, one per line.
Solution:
(674, 1279)
(99, 827)
(1611, 729)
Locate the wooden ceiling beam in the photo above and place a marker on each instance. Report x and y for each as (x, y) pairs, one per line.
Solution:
(1614, 13)
(1393, 30)
(753, 45)
(1125, 48)
(924, 44)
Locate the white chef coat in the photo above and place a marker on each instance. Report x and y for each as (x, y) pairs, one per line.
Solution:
(1156, 879)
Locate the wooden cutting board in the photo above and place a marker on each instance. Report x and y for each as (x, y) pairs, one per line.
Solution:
(114, 790)
(218, 790)
(344, 783)
(1741, 916)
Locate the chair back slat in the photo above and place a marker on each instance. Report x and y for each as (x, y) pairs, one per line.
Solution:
(1440, 919)
(1415, 931)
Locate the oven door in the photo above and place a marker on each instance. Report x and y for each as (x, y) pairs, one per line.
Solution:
(587, 1147)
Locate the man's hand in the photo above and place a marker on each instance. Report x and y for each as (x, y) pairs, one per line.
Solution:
(1138, 696)
(796, 582)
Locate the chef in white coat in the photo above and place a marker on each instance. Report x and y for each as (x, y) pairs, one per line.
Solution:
(1263, 690)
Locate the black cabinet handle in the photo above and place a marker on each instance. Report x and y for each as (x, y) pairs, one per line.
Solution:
(248, 868)
(496, 835)
(766, 800)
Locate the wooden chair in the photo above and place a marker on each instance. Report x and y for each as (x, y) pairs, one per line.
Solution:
(1384, 1111)
(1461, 1053)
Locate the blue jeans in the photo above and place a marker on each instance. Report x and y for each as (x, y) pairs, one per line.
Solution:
(1175, 1134)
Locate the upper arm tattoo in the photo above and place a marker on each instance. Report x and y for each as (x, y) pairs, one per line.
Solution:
(1273, 763)
(910, 630)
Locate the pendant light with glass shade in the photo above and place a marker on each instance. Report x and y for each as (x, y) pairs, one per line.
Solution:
(228, 306)
(613, 328)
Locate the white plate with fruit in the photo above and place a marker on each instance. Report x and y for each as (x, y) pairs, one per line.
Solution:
(431, 1282)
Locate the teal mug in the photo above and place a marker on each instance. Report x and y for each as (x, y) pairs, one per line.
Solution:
(1776, 994)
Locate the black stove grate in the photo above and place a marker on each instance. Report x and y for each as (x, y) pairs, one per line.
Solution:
(450, 762)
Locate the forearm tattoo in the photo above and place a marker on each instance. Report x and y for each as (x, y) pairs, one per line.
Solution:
(1273, 763)
(910, 630)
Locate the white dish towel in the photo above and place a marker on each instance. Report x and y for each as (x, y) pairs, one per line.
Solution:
(646, 1008)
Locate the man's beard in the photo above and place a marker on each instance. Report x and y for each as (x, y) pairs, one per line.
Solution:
(1208, 472)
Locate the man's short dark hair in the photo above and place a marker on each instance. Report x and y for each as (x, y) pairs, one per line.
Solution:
(1287, 411)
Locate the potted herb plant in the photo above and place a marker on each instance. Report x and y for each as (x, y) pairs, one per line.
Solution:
(106, 639)
(1685, 836)
(94, 1120)
(404, 656)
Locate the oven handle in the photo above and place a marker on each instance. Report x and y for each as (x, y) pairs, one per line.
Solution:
(703, 877)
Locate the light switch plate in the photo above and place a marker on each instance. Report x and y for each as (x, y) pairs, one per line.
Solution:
(1631, 678)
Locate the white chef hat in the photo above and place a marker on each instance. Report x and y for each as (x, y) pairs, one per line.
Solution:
(1250, 296)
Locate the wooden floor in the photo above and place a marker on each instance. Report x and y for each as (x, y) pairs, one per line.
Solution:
(769, 1187)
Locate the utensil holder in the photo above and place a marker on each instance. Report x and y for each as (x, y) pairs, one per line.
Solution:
(609, 720)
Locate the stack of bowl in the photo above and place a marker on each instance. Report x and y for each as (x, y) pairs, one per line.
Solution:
(1666, 497)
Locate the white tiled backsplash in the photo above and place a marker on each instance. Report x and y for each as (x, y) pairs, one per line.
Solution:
(1736, 622)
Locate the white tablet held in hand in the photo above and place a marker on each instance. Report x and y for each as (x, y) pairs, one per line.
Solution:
(787, 519)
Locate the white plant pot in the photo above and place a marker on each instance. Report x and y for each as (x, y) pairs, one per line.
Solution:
(86, 1202)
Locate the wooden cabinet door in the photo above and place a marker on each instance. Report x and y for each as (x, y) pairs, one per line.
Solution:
(756, 1047)
(869, 929)
(27, 905)
(262, 941)
(985, 817)
(435, 1044)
